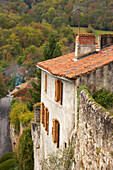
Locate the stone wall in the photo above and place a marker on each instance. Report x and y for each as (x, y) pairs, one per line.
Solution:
(105, 40)
(97, 79)
(35, 132)
(94, 141)
(15, 136)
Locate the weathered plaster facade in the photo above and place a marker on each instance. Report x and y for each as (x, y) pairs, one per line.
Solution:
(63, 113)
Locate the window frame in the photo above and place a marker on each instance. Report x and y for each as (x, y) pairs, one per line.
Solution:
(44, 114)
(59, 91)
(45, 83)
(56, 132)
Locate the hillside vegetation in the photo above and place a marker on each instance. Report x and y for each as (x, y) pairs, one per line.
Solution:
(25, 27)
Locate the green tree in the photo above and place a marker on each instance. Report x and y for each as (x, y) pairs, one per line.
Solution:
(52, 49)
(36, 92)
(20, 113)
(3, 90)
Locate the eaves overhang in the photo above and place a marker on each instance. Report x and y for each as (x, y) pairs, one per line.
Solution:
(55, 76)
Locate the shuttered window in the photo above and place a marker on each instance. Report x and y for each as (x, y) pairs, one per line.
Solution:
(46, 83)
(56, 132)
(58, 91)
(45, 117)
(47, 122)
(42, 113)
(53, 131)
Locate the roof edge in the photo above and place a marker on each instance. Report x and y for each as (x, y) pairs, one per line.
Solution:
(58, 77)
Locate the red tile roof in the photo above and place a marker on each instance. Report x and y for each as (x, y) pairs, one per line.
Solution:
(64, 66)
(21, 86)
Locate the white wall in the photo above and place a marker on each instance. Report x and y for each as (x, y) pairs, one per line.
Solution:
(63, 113)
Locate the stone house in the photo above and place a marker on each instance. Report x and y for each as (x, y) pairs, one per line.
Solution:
(60, 78)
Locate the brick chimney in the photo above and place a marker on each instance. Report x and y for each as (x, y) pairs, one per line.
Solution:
(85, 45)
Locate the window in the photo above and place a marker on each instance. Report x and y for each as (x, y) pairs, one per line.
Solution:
(45, 83)
(47, 122)
(56, 132)
(58, 91)
(44, 114)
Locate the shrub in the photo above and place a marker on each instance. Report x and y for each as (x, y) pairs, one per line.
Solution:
(104, 98)
(25, 150)
(7, 156)
(10, 163)
(20, 113)
(63, 159)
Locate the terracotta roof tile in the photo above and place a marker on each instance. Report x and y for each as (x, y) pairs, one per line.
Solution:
(64, 66)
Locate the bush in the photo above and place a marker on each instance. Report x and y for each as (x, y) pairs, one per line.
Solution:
(10, 163)
(104, 98)
(25, 150)
(20, 113)
(63, 159)
(7, 156)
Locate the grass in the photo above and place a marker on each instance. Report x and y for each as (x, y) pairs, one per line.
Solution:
(84, 30)
(97, 32)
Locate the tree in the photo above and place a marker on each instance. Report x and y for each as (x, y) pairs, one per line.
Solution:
(52, 49)
(3, 90)
(20, 113)
(36, 92)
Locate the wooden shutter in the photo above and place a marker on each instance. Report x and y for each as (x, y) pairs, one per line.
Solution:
(47, 122)
(56, 90)
(60, 91)
(46, 83)
(42, 113)
(57, 133)
(53, 131)
(45, 114)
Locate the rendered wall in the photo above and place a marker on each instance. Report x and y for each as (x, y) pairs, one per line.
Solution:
(63, 113)
(94, 141)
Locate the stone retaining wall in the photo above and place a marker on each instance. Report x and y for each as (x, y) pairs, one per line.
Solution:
(14, 136)
(35, 132)
(94, 141)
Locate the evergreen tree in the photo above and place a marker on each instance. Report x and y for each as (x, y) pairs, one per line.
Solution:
(3, 90)
(51, 50)
(36, 92)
